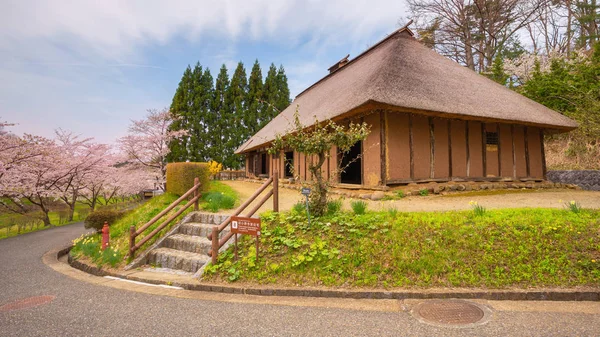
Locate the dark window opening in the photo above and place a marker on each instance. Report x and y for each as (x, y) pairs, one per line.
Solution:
(263, 164)
(351, 165)
(491, 138)
(491, 141)
(289, 164)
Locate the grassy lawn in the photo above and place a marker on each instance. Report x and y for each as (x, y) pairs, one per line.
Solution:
(119, 231)
(494, 249)
(12, 224)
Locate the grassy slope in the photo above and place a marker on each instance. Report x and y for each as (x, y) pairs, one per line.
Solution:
(501, 248)
(119, 231)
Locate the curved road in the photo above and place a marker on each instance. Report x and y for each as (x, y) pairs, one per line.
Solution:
(83, 308)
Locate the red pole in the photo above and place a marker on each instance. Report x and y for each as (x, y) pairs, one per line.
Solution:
(105, 236)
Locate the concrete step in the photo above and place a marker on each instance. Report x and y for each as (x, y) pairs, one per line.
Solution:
(208, 218)
(177, 259)
(199, 229)
(188, 243)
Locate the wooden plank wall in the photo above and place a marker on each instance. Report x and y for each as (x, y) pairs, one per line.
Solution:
(431, 148)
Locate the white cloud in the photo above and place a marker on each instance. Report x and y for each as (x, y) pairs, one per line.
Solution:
(115, 27)
(68, 62)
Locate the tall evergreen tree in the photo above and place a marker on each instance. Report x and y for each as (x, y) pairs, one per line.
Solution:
(283, 91)
(238, 130)
(220, 115)
(253, 104)
(181, 111)
(269, 96)
(202, 93)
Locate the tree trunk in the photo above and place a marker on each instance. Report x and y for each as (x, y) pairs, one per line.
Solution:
(318, 198)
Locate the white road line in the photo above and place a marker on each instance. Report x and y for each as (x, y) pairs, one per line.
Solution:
(143, 283)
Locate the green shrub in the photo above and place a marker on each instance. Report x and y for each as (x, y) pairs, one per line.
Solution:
(180, 177)
(96, 219)
(400, 194)
(359, 207)
(334, 206)
(477, 208)
(299, 207)
(424, 192)
(217, 200)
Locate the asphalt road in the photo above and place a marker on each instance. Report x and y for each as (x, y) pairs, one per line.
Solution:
(85, 309)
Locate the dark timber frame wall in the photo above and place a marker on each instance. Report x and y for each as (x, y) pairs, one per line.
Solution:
(408, 147)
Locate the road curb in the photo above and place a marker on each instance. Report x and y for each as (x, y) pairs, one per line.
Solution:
(587, 294)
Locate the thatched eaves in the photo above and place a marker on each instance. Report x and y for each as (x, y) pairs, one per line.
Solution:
(400, 73)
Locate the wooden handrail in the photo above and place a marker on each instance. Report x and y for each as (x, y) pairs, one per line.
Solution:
(167, 210)
(165, 223)
(214, 235)
(243, 206)
(133, 232)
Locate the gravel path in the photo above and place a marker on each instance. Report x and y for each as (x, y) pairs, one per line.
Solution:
(81, 308)
(457, 201)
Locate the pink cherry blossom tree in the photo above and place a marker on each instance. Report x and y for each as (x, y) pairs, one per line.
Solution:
(34, 179)
(147, 143)
(81, 159)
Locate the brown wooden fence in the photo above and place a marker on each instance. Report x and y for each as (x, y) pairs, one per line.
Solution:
(133, 233)
(230, 175)
(214, 235)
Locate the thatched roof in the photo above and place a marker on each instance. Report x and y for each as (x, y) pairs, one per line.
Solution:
(401, 72)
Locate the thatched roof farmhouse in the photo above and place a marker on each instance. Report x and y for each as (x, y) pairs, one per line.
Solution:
(431, 120)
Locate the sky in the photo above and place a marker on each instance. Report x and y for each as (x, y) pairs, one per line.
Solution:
(91, 67)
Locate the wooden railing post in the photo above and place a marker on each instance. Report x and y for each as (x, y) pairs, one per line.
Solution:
(275, 191)
(215, 244)
(196, 182)
(132, 241)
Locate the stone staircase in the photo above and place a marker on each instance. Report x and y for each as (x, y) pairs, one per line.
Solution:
(185, 248)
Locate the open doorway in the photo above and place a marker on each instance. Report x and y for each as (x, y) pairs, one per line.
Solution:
(351, 165)
(289, 164)
(263, 164)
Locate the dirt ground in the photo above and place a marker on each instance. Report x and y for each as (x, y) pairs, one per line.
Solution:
(455, 201)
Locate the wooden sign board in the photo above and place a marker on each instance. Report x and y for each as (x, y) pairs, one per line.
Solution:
(244, 225)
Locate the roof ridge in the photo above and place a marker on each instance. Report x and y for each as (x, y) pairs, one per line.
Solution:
(367, 51)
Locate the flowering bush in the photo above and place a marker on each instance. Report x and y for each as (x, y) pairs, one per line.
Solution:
(90, 246)
(214, 168)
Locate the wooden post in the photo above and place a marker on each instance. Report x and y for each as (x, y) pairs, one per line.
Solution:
(257, 237)
(196, 182)
(432, 149)
(499, 150)
(484, 149)
(543, 154)
(215, 244)
(276, 191)
(450, 149)
(132, 241)
(527, 165)
(235, 249)
(410, 144)
(383, 146)
(468, 148)
(512, 136)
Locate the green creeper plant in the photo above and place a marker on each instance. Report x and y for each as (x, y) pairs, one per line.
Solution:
(317, 140)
